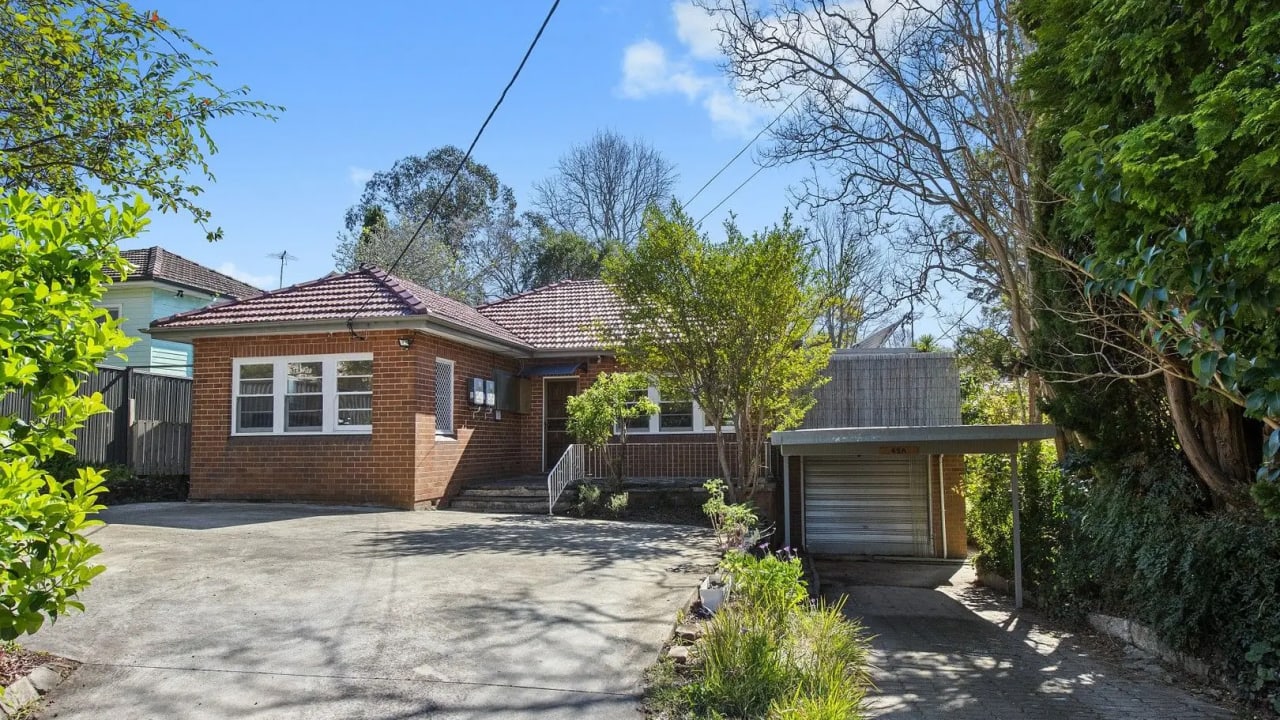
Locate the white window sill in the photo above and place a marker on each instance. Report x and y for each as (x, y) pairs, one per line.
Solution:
(446, 438)
(342, 433)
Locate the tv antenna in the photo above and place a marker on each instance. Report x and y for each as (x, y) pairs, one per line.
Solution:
(284, 257)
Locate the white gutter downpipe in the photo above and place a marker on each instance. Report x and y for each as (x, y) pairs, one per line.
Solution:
(942, 493)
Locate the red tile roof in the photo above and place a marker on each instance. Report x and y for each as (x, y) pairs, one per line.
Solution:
(156, 263)
(368, 292)
(570, 314)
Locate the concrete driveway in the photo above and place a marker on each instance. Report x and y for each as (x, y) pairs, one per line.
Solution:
(290, 611)
(945, 648)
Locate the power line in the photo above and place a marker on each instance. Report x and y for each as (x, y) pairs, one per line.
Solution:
(466, 157)
(744, 148)
(750, 177)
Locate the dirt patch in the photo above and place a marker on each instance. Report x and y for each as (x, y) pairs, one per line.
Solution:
(16, 662)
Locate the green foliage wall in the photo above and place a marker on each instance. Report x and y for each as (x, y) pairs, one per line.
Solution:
(1137, 545)
(53, 253)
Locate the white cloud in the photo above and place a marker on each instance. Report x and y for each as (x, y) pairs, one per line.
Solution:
(646, 72)
(650, 70)
(359, 176)
(729, 111)
(262, 282)
(696, 28)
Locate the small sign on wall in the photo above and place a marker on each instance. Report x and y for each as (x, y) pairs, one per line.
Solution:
(899, 450)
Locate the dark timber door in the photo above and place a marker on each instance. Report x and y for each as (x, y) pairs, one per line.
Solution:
(555, 438)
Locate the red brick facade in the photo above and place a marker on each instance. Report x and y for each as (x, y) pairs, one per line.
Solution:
(401, 464)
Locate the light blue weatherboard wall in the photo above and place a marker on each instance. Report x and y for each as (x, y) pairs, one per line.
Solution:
(138, 307)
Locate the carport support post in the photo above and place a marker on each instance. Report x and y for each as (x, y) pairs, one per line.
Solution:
(1017, 530)
(786, 501)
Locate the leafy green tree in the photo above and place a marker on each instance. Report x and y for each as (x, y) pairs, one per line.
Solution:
(730, 323)
(927, 343)
(97, 95)
(53, 255)
(604, 409)
(1156, 122)
(471, 248)
(564, 255)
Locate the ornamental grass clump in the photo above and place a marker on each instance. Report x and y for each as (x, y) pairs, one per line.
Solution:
(771, 653)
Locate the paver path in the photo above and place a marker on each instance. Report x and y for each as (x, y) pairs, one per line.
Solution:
(212, 611)
(947, 648)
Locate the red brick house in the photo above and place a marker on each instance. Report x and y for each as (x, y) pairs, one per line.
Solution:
(358, 388)
(363, 388)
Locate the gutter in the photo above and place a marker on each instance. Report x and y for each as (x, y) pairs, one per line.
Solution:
(423, 323)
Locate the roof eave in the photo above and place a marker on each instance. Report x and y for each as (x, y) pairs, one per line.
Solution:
(927, 439)
(424, 323)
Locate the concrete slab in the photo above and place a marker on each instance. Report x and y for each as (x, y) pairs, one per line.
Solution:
(287, 611)
(944, 647)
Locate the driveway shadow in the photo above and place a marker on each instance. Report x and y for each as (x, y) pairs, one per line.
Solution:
(210, 516)
(958, 649)
(600, 543)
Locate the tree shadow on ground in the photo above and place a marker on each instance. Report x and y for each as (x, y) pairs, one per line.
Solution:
(210, 516)
(961, 650)
(599, 543)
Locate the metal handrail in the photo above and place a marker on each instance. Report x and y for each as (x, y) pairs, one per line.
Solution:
(567, 471)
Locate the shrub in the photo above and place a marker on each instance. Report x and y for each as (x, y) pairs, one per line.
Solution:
(772, 583)
(588, 499)
(121, 485)
(1141, 543)
(989, 512)
(617, 504)
(731, 522)
(770, 653)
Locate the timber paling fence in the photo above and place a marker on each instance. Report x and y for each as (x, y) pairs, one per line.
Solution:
(147, 427)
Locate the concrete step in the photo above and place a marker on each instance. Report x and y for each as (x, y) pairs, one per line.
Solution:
(528, 506)
(503, 491)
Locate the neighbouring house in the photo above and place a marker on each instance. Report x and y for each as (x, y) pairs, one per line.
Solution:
(162, 284)
(365, 388)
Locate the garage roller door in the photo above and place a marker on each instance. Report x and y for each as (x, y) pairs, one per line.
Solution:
(867, 505)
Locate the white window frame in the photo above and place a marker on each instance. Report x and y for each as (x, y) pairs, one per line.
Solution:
(279, 382)
(452, 431)
(117, 307)
(700, 425)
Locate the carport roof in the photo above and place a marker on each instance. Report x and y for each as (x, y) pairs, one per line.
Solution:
(908, 440)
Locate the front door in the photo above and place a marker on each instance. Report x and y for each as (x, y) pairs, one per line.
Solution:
(555, 418)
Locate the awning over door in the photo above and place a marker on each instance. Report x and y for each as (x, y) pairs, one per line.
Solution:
(868, 505)
(552, 369)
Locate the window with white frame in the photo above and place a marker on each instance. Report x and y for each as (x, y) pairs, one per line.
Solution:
(302, 395)
(677, 413)
(444, 397)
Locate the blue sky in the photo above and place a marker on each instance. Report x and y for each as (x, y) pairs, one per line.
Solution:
(366, 84)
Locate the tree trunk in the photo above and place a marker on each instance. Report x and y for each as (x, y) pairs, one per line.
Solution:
(722, 454)
(1212, 440)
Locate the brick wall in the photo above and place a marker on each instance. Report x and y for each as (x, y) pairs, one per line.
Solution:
(360, 469)
(483, 446)
(401, 464)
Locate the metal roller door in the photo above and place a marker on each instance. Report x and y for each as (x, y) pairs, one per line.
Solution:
(867, 505)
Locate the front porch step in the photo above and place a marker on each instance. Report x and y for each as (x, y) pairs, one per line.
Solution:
(526, 506)
(527, 495)
(505, 491)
